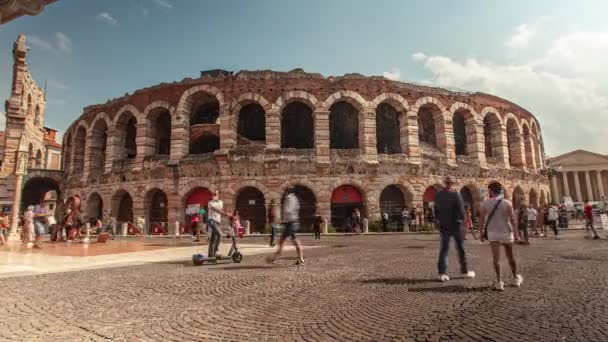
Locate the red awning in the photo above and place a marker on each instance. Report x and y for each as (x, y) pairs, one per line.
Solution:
(200, 196)
(429, 194)
(346, 194)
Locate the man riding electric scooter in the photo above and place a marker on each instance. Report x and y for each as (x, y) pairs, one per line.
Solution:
(216, 212)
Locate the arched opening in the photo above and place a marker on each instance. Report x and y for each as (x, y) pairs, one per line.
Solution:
(99, 147)
(251, 128)
(460, 134)
(513, 143)
(157, 204)
(297, 126)
(31, 161)
(343, 126)
(196, 199)
(80, 140)
(126, 132)
(387, 129)
(160, 122)
(519, 197)
(67, 153)
(37, 116)
(39, 159)
(35, 190)
(491, 133)
(428, 202)
(94, 206)
(528, 147)
(533, 198)
(206, 143)
(472, 200)
(130, 139)
(537, 149)
(308, 207)
(204, 120)
(428, 125)
(344, 200)
(543, 199)
(251, 206)
(122, 205)
(392, 202)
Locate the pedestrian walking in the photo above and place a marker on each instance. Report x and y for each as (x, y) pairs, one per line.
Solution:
(216, 207)
(531, 214)
(405, 219)
(450, 215)
(588, 210)
(498, 222)
(317, 226)
(552, 217)
(291, 221)
(356, 221)
(274, 220)
(522, 222)
(3, 227)
(413, 221)
(384, 221)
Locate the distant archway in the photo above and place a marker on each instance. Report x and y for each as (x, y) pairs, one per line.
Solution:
(387, 129)
(519, 197)
(122, 205)
(392, 202)
(251, 126)
(297, 126)
(343, 126)
(94, 206)
(344, 200)
(251, 206)
(308, 207)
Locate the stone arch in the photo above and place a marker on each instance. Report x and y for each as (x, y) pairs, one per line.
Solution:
(125, 133)
(156, 203)
(79, 148)
(128, 108)
(296, 96)
(528, 146)
(533, 198)
(300, 182)
(249, 111)
(349, 96)
(471, 197)
(35, 186)
(464, 122)
(392, 200)
(122, 206)
(344, 200)
(388, 128)
(297, 124)
(514, 142)
(98, 143)
(492, 132)
(431, 125)
(519, 196)
(426, 101)
(395, 100)
(198, 115)
(158, 116)
(186, 101)
(94, 206)
(344, 125)
(250, 203)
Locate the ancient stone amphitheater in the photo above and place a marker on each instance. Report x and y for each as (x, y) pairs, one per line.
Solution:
(345, 142)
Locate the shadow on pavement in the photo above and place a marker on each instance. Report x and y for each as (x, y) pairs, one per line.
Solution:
(243, 267)
(452, 289)
(399, 281)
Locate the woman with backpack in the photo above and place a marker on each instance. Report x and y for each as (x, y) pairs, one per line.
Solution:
(499, 222)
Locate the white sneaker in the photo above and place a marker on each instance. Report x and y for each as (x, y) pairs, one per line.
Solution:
(519, 279)
(469, 274)
(500, 286)
(443, 277)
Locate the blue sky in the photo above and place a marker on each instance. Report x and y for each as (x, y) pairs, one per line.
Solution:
(546, 55)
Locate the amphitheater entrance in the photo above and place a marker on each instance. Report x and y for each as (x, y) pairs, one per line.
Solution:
(35, 190)
(308, 207)
(250, 204)
(251, 128)
(344, 200)
(392, 202)
(94, 206)
(533, 198)
(428, 202)
(297, 126)
(122, 205)
(519, 197)
(196, 199)
(156, 202)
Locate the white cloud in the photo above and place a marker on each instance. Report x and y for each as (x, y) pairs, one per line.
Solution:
(63, 42)
(521, 38)
(60, 42)
(164, 3)
(107, 18)
(394, 74)
(566, 89)
(57, 85)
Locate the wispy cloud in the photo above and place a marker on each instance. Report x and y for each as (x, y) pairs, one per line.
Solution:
(59, 42)
(107, 18)
(56, 101)
(394, 74)
(521, 38)
(164, 3)
(57, 85)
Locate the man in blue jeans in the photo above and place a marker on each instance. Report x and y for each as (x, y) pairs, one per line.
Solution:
(449, 216)
(216, 207)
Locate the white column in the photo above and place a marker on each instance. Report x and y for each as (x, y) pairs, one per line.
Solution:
(600, 185)
(590, 196)
(577, 187)
(554, 187)
(565, 181)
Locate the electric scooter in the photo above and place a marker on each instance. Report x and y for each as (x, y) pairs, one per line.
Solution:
(233, 254)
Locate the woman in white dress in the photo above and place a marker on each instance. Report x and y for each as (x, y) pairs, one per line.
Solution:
(498, 220)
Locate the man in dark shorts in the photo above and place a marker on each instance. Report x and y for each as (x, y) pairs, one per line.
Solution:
(291, 220)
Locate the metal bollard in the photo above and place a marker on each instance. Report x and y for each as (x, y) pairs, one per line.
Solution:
(87, 233)
(325, 226)
(247, 226)
(176, 232)
(365, 224)
(125, 228)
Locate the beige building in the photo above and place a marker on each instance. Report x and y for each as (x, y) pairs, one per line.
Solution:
(581, 175)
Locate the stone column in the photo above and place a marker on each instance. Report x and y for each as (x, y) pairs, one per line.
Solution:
(600, 185)
(367, 136)
(566, 185)
(409, 136)
(577, 186)
(227, 128)
(13, 236)
(503, 147)
(273, 129)
(476, 141)
(590, 195)
(531, 158)
(141, 143)
(322, 136)
(445, 137)
(554, 187)
(180, 135)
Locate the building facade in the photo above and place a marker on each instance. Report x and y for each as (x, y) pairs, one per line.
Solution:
(344, 142)
(12, 9)
(580, 175)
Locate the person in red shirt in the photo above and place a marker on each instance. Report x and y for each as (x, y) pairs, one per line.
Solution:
(588, 210)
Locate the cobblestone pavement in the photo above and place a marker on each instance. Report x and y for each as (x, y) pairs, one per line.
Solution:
(373, 288)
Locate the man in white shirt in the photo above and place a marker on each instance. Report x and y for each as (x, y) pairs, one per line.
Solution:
(290, 218)
(532, 214)
(552, 216)
(216, 207)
